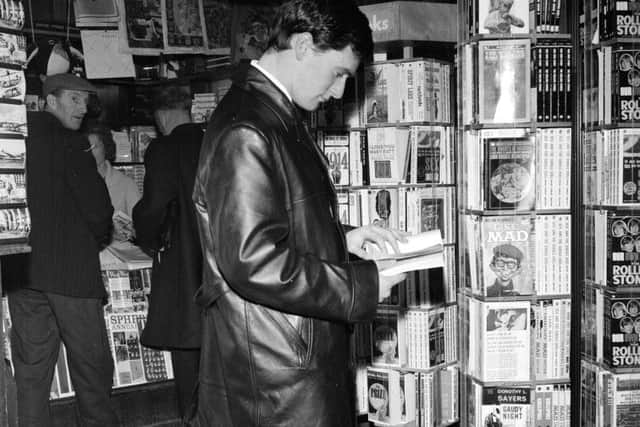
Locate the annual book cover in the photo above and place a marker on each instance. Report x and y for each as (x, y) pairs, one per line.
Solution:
(507, 245)
(622, 330)
(504, 91)
(622, 248)
(510, 170)
(336, 150)
(503, 16)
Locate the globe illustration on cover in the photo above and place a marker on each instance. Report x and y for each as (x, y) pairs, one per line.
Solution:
(510, 182)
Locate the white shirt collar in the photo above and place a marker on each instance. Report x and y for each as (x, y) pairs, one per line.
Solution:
(273, 80)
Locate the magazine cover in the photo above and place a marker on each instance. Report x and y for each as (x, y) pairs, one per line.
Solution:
(623, 249)
(506, 406)
(384, 207)
(622, 330)
(13, 16)
(141, 26)
(429, 154)
(503, 16)
(510, 180)
(504, 81)
(13, 119)
(630, 164)
(12, 84)
(507, 248)
(184, 30)
(15, 223)
(12, 153)
(13, 49)
(378, 394)
(218, 21)
(12, 188)
(251, 31)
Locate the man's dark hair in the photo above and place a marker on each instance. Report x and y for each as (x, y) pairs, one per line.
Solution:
(104, 133)
(333, 24)
(171, 98)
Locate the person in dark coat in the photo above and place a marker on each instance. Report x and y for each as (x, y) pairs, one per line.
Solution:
(279, 287)
(165, 224)
(63, 298)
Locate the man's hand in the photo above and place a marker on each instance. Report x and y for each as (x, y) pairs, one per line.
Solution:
(357, 238)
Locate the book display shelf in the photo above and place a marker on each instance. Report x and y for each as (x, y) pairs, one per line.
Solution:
(389, 148)
(515, 219)
(609, 135)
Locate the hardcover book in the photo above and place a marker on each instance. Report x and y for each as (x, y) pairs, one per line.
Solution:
(504, 81)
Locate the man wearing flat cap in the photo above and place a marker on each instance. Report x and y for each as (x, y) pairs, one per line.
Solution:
(63, 297)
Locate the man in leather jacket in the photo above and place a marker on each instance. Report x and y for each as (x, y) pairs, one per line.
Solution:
(280, 287)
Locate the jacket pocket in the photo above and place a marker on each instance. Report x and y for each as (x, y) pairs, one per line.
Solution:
(297, 331)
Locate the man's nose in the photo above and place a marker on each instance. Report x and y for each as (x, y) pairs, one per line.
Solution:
(337, 89)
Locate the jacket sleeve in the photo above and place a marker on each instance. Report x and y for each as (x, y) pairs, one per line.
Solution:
(160, 187)
(254, 244)
(88, 189)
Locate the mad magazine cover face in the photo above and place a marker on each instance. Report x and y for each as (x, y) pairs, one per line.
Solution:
(142, 21)
(13, 119)
(184, 25)
(622, 347)
(503, 16)
(510, 180)
(12, 153)
(631, 166)
(505, 406)
(13, 49)
(507, 256)
(12, 84)
(623, 250)
(504, 90)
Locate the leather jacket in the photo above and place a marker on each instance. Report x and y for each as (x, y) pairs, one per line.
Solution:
(279, 290)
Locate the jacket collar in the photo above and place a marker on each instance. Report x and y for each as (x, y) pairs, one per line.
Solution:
(251, 79)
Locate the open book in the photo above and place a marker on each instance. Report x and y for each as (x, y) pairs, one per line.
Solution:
(421, 251)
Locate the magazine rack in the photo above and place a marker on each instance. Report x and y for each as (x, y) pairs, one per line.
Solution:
(608, 377)
(515, 211)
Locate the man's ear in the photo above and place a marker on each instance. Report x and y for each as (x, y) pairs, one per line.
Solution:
(301, 43)
(51, 100)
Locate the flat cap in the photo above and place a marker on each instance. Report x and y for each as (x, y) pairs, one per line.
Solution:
(65, 81)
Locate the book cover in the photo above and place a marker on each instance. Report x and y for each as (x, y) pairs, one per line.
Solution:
(631, 164)
(388, 339)
(336, 149)
(505, 406)
(429, 154)
(503, 16)
(250, 30)
(504, 81)
(510, 180)
(376, 106)
(388, 152)
(507, 252)
(384, 207)
(12, 153)
(217, 21)
(506, 341)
